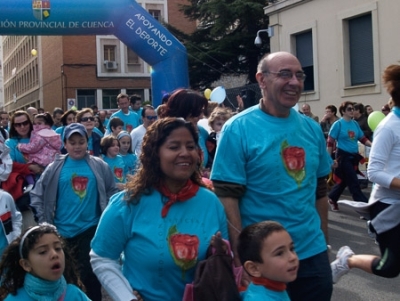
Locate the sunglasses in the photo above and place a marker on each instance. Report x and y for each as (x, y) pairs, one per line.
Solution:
(151, 117)
(85, 119)
(349, 109)
(23, 123)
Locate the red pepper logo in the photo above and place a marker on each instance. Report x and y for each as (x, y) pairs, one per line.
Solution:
(184, 249)
(351, 134)
(294, 161)
(129, 128)
(118, 172)
(79, 185)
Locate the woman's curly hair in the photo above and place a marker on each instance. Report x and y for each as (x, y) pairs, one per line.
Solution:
(11, 272)
(149, 173)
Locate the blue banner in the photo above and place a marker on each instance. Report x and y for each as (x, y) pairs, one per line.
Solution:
(125, 19)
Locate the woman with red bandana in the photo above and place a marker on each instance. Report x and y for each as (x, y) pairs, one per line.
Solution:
(163, 222)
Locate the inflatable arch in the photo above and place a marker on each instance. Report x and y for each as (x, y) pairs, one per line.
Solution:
(125, 19)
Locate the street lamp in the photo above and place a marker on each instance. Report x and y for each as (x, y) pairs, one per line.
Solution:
(269, 30)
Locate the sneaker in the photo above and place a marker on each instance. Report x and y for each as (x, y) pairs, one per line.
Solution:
(28, 188)
(371, 232)
(339, 266)
(334, 206)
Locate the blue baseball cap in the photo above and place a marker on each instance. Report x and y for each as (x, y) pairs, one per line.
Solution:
(75, 128)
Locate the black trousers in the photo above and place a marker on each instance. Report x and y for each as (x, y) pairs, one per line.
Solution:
(80, 248)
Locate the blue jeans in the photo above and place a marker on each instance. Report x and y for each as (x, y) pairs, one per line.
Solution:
(349, 179)
(314, 280)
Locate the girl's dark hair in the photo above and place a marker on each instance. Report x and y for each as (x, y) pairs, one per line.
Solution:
(391, 79)
(65, 116)
(11, 272)
(149, 173)
(13, 132)
(115, 121)
(252, 237)
(100, 126)
(185, 103)
(106, 143)
(48, 120)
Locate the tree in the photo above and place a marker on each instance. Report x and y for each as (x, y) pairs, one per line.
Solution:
(223, 43)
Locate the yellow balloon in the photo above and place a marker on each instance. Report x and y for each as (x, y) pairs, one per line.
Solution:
(34, 52)
(207, 93)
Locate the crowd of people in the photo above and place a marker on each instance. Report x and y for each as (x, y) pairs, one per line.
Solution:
(133, 200)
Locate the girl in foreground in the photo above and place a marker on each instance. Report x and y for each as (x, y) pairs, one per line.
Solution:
(33, 267)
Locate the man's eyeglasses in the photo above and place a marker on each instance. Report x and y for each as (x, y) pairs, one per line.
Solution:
(85, 119)
(151, 117)
(349, 109)
(23, 123)
(288, 75)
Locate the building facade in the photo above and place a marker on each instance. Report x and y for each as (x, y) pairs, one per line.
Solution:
(80, 71)
(343, 47)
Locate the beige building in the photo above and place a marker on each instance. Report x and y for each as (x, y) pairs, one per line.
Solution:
(343, 46)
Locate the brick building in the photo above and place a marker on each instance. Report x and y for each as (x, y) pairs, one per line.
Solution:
(79, 70)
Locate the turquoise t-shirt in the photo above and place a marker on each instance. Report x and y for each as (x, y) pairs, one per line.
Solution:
(160, 253)
(260, 293)
(279, 161)
(203, 135)
(117, 166)
(130, 163)
(77, 206)
(3, 242)
(72, 293)
(15, 154)
(347, 134)
(131, 120)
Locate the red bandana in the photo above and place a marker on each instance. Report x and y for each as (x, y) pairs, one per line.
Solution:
(187, 192)
(269, 284)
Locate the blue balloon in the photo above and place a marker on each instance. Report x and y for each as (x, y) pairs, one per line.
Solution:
(218, 95)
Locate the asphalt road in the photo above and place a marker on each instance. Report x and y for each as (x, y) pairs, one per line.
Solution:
(346, 228)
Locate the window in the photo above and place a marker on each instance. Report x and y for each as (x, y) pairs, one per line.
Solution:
(110, 99)
(109, 52)
(133, 58)
(304, 52)
(361, 50)
(156, 14)
(86, 98)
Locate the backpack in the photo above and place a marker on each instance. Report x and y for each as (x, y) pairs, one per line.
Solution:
(216, 278)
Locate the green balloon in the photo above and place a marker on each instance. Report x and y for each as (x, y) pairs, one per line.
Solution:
(374, 118)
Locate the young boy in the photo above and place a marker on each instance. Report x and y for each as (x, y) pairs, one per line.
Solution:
(116, 125)
(71, 194)
(267, 253)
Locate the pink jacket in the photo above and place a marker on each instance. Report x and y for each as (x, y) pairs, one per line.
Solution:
(43, 145)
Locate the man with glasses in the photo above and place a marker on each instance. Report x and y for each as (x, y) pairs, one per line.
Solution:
(149, 115)
(271, 164)
(130, 119)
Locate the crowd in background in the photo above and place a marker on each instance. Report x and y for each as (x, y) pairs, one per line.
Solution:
(139, 196)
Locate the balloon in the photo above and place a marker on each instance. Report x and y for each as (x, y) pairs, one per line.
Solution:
(207, 93)
(218, 95)
(374, 119)
(74, 108)
(34, 52)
